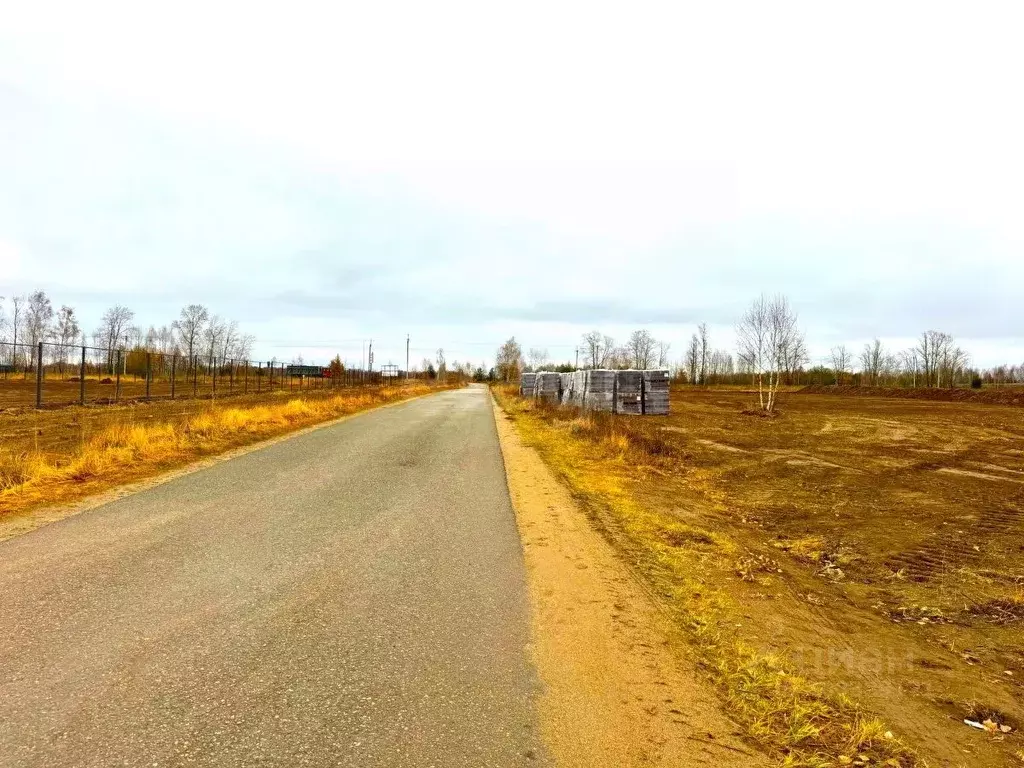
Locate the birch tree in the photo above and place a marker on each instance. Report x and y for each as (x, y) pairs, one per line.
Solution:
(537, 357)
(65, 332)
(768, 335)
(509, 360)
(38, 318)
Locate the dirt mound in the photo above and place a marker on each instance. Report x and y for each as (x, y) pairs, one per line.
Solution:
(1000, 396)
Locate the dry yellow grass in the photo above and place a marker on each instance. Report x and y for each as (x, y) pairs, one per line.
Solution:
(802, 722)
(128, 451)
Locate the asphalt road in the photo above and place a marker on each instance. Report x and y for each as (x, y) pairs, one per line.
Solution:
(354, 596)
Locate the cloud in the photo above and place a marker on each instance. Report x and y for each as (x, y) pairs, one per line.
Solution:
(472, 173)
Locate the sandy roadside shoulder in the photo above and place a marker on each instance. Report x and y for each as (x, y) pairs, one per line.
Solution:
(616, 694)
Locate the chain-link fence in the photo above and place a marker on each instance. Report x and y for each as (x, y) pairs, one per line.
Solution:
(48, 374)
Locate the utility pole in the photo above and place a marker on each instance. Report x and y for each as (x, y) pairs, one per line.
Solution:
(407, 357)
(369, 359)
(577, 358)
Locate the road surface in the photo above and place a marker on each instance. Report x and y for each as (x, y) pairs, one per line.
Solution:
(354, 596)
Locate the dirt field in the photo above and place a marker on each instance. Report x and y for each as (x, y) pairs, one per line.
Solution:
(1004, 395)
(875, 545)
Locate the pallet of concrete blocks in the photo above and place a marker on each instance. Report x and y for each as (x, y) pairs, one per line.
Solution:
(656, 388)
(526, 384)
(598, 390)
(564, 388)
(546, 386)
(572, 391)
(628, 392)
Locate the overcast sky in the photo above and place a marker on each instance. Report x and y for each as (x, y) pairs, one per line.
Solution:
(326, 173)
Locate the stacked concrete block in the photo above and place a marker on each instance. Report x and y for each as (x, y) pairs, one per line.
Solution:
(547, 386)
(656, 389)
(565, 382)
(598, 390)
(628, 392)
(573, 395)
(526, 384)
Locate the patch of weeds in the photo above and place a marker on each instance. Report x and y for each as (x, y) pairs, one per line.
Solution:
(1001, 610)
(918, 614)
(684, 535)
(749, 566)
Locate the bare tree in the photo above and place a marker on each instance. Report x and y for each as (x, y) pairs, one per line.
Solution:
(213, 333)
(229, 340)
(537, 358)
(872, 361)
(769, 340)
(841, 360)
(942, 361)
(113, 329)
(953, 362)
(663, 348)
(190, 326)
(593, 349)
(721, 366)
(17, 323)
(692, 360)
(705, 350)
(243, 347)
(65, 332)
(598, 350)
(911, 364)
(641, 347)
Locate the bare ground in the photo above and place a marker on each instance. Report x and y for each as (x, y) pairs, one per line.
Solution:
(874, 544)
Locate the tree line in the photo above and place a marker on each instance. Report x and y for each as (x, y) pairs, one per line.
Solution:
(196, 335)
(771, 350)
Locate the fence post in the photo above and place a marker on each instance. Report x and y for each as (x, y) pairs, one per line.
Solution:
(39, 376)
(149, 373)
(259, 377)
(81, 379)
(174, 366)
(117, 376)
